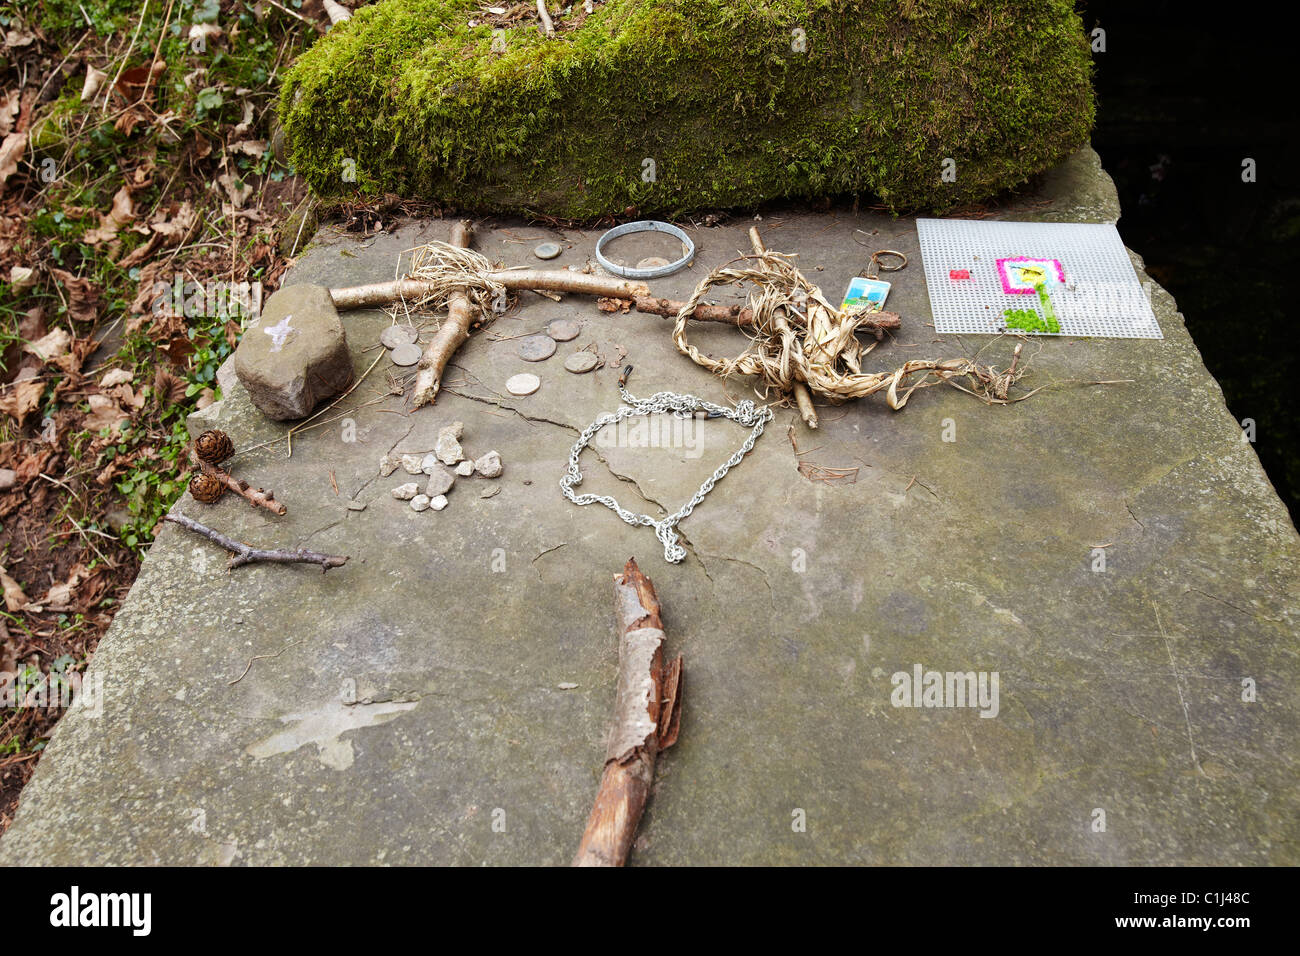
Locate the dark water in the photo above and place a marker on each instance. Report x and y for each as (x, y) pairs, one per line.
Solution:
(1186, 93)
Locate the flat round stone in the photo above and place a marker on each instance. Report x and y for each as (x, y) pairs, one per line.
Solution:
(536, 348)
(580, 362)
(563, 330)
(523, 384)
(396, 335)
(547, 250)
(653, 262)
(407, 354)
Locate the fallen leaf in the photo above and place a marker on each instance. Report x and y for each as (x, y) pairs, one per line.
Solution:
(94, 80)
(59, 597)
(250, 147)
(49, 346)
(122, 213)
(115, 376)
(235, 188)
(11, 151)
(83, 295)
(15, 598)
(104, 413)
(9, 112)
(169, 388)
(21, 399)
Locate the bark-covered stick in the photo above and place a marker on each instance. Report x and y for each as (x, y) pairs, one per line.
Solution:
(450, 336)
(516, 280)
(647, 713)
(254, 496)
(241, 553)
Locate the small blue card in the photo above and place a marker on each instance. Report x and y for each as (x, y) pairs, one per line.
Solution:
(865, 295)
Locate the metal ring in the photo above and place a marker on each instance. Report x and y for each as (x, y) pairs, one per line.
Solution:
(875, 258)
(647, 225)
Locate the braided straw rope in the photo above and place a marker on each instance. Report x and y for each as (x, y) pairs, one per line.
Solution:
(797, 336)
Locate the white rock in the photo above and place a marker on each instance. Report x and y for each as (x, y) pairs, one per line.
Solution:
(489, 466)
(406, 492)
(412, 464)
(448, 447)
(440, 481)
(420, 503)
(438, 503)
(428, 463)
(387, 466)
(465, 468)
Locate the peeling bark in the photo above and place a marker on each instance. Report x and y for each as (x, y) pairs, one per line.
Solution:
(647, 715)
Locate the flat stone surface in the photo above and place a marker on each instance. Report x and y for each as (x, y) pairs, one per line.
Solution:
(417, 690)
(536, 348)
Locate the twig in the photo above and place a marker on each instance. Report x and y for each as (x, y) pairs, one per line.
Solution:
(547, 26)
(260, 657)
(450, 335)
(255, 496)
(241, 554)
(130, 48)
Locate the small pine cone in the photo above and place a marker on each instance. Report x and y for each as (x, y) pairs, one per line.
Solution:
(206, 488)
(214, 447)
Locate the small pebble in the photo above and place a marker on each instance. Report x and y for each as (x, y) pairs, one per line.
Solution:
(356, 506)
(653, 262)
(412, 464)
(396, 335)
(580, 362)
(420, 503)
(567, 685)
(465, 469)
(563, 330)
(547, 250)
(387, 466)
(440, 482)
(406, 492)
(407, 354)
(536, 348)
(492, 490)
(448, 447)
(428, 463)
(489, 466)
(523, 384)
(438, 503)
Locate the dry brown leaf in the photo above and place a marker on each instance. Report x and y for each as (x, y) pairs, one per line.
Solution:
(122, 213)
(250, 147)
(15, 598)
(83, 295)
(21, 399)
(59, 597)
(127, 397)
(179, 226)
(104, 413)
(169, 388)
(9, 112)
(94, 80)
(11, 151)
(50, 346)
(115, 376)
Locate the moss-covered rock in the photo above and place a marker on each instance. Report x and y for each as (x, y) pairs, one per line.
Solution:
(672, 105)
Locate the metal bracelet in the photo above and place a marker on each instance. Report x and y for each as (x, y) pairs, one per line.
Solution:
(648, 225)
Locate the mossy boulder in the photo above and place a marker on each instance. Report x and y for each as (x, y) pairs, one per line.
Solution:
(672, 105)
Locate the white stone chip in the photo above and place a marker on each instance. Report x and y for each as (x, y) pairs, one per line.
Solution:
(438, 503)
(412, 464)
(465, 468)
(489, 466)
(420, 503)
(406, 492)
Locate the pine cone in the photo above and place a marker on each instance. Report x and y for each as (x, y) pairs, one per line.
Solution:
(214, 447)
(206, 488)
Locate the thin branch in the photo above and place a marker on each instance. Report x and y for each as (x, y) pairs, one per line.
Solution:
(241, 554)
(255, 496)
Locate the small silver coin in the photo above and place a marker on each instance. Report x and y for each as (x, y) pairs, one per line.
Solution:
(580, 362)
(523, 384)
(407, 354)
(536, 348)
(563, 330)
(547, 250)
(396, 335)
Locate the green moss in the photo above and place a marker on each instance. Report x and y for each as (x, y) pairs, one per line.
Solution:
(412, 100)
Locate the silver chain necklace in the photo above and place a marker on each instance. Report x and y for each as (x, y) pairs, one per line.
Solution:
(681, 406)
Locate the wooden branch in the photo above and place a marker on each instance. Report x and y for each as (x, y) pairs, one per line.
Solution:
(547, 26)
(802, 397)
(241, 554)
(336, 12)
(255, 496)
(647, 716)
(516, 280)
(450, 336)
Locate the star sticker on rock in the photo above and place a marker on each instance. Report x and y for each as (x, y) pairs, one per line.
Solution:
(280, 333)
